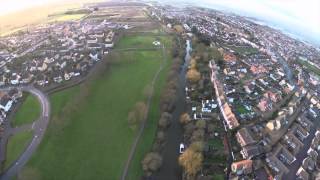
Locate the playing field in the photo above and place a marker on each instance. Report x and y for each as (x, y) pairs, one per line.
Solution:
(28, 112)
(90, 138)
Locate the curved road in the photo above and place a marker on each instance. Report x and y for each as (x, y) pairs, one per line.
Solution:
(39, 127)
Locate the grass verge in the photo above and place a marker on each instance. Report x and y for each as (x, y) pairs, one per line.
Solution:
(16, 145)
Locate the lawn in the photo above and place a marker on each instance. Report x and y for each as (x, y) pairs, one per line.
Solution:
(94, 140)
(138, 41)
(216, 143)
(16, 145)
(28, 112)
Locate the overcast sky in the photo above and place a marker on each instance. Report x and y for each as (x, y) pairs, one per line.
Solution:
(300, 17)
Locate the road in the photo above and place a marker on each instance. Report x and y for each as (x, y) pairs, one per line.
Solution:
(39, 127)
(32, 48)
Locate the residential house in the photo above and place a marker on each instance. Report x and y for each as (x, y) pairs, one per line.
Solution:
(242, 167)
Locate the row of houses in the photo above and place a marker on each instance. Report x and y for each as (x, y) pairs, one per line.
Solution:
(7, 100)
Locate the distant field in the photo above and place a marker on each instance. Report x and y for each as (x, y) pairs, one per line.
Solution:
(65, 17)
(16, 145)
(310, 67)
(28, 112)
(243, 50)
(15, 21)
(94, 140)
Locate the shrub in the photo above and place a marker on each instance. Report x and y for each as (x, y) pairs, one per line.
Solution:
(197, 135)
(201, 124)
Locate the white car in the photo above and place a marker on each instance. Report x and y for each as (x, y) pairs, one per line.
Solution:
(181, 149)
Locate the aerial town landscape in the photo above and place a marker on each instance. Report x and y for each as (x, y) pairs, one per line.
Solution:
(143, 90)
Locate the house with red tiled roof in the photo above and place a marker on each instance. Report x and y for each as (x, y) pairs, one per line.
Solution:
(242, 167)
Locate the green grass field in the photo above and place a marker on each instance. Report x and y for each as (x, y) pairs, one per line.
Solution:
(28, 112)
(138, 41)
(16, 145)
(94, 140)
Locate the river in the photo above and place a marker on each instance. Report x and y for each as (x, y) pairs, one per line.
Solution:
(170, 169)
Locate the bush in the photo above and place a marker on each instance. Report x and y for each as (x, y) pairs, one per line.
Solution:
(189, 128)
(201, 124)
(211, 128)
(198, 135)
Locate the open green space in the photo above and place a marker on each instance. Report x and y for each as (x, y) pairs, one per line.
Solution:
(310, 67)
(28, 112)
(140, 41)
(243, 49)
(88, 135)
(16, 145)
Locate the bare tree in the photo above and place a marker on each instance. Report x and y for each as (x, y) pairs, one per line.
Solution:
(191, 161)
(185, 118)
(151, 163)
(137, 114)
(193, 75)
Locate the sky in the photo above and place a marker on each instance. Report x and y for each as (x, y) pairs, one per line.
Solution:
(9, 6)
(300, 18)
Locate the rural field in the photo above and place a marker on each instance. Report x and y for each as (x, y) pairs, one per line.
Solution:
(88, 135)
